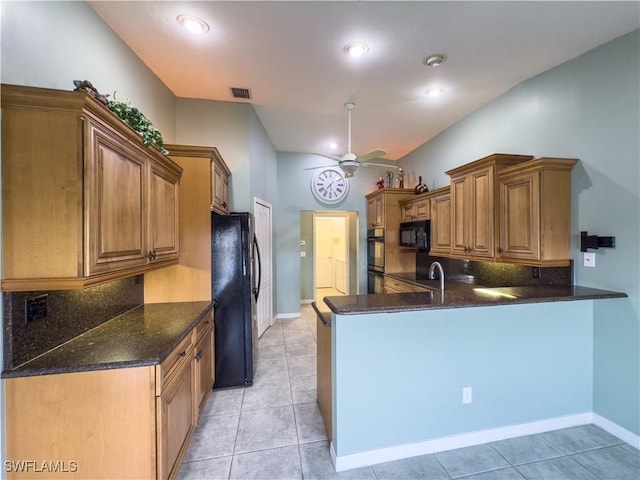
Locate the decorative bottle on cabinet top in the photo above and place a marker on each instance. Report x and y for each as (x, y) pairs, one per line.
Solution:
(421, 187)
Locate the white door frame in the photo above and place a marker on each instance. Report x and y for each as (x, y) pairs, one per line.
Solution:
(266, 263)
(345, 217)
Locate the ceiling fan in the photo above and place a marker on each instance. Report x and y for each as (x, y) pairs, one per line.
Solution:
(349, 162)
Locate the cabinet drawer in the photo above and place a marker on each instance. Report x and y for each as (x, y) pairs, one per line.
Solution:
(397, 286)
(178, 357)
(205, 323)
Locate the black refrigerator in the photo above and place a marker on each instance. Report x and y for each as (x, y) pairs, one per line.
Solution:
(235, 286)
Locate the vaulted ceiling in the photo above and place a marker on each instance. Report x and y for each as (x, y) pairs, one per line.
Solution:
(290, 55)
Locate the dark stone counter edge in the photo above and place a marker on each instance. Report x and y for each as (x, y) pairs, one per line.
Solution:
(25, 371)
(325, 317)
(417, 306)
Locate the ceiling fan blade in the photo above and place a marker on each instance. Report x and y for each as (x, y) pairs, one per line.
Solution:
(331, 157)
(321, 166)
(372, 155)
(369, 164)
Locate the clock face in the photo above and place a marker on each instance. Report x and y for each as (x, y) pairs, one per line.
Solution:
(329, 185)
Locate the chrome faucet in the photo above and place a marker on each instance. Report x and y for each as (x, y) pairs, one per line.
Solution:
(432, 272)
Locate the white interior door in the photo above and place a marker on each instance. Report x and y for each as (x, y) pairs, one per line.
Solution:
(323, 252)
(264, 305)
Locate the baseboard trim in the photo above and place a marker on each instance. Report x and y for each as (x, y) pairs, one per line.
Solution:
(615, 429)
(372, 457)
(307, 301)
(288, 315)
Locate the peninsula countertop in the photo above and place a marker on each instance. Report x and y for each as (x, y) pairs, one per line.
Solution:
(143, 336)
(461, 295)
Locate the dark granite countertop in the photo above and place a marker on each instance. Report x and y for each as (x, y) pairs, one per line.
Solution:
(323, 313)
(459, 295)
(140, 337)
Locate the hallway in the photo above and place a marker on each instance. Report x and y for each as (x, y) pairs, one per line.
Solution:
(273, 431)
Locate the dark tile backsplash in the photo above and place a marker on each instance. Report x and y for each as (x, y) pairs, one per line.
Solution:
(491, 274)
(70, 313)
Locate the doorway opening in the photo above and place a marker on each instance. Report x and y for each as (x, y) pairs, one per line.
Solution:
(329, 256)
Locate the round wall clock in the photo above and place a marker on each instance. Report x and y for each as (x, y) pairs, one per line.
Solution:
(329, 185)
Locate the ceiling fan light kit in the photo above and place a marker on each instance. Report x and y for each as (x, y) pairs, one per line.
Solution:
(350, 162)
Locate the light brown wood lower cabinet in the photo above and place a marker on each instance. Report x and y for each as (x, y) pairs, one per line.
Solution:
(121, 423)
(324, 376)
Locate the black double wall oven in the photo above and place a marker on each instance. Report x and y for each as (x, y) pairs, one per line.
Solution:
(375, 260)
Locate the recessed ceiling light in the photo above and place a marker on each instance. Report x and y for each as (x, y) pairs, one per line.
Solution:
(434, 60)
(435, 92)
(193, 24)
(356, 49)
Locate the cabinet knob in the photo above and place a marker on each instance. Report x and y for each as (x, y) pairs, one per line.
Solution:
(151, 255)
(182, 353)
(500, 251)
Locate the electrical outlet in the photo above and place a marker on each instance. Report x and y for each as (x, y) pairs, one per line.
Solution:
(467, 395)
(589, 259)
(35, 308)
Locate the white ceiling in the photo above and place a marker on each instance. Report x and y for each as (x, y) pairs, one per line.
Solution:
(290, 55)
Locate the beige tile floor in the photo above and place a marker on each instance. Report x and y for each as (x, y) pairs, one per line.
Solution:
(273, 431)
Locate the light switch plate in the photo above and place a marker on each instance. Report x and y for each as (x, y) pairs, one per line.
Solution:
(589, 259)
(303, 254)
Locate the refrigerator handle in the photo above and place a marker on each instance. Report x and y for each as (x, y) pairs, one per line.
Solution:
(256, 291)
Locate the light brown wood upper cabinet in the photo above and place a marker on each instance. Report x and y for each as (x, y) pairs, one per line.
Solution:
(375, 210)
(535, 212)
(190, 279)
(220, 174)
(415, 209)
(441, 222)
(84, 201)
(474, 218)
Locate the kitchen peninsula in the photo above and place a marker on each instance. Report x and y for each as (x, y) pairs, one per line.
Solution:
(525, 353)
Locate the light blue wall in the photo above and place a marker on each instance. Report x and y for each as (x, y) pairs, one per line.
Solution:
(295, 195)
(51, 44)
(406, 370)
(587, 108)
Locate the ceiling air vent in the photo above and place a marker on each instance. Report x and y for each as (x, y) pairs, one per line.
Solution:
(241, 93)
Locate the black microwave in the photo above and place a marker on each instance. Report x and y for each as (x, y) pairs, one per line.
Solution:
(416, 234)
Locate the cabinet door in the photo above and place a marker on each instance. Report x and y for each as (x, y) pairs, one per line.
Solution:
(408, 212)
(441, 224)
(220, 186)
(115, 199)
(472, 214)
(423, 209)
(459, 215)
(375, 211)
(520, 217)
(371, 212)
(203, 357)
(480, 222)
(164, 229)
(174, 420)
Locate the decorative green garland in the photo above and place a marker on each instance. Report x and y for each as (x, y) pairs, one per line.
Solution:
(139, 122)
